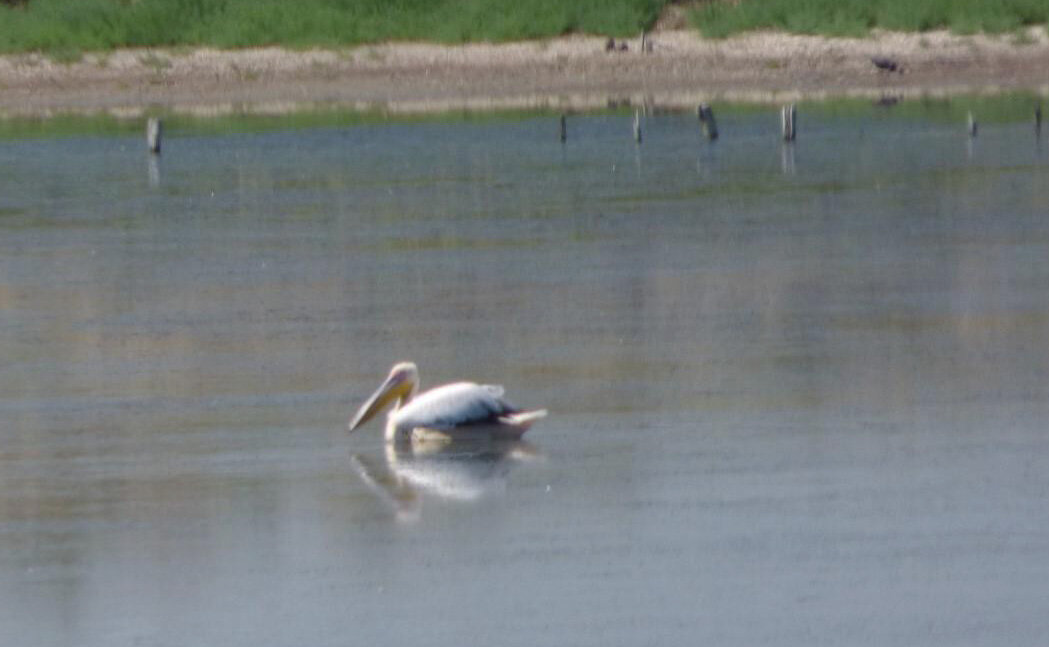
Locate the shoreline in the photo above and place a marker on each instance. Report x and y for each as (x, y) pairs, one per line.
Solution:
(569, 73)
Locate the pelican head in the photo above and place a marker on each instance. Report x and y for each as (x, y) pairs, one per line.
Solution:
(400, 385)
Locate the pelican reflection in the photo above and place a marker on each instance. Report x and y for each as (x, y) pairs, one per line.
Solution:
(464, 471)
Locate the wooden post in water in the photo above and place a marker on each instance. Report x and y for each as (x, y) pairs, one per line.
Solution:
(153, 135)
(706, 118)
(973, 126)
(789, 117)
(637, 126)
(1037, 120)
(564, 128)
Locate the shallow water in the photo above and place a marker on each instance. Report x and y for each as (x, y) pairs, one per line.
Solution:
(798, 394)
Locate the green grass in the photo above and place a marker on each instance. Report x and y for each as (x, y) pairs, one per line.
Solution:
(721, 18)
(64, 28)
(92, 25)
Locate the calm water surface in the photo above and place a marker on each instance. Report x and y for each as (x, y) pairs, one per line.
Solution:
(799, 396)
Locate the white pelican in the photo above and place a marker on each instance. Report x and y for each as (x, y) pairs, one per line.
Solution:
(458, 411)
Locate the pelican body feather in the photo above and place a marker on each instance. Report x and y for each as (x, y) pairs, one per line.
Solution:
(449, 412)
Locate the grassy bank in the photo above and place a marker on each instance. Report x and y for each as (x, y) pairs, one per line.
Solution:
(857, 17)
(63, 28)
(81, 25)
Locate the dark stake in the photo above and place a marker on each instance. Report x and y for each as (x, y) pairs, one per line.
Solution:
(153, 134)
(706, 118)
(788, 118)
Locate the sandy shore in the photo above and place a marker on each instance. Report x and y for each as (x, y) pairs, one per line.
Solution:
(576, 72)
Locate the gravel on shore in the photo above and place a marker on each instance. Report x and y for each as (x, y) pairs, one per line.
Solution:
(574, 72)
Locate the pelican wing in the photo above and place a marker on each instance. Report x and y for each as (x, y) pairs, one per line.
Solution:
(454, 405)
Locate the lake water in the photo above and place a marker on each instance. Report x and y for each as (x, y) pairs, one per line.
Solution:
(798, 395)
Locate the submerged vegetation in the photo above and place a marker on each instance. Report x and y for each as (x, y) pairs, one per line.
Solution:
(995, 109)
(720, 18)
